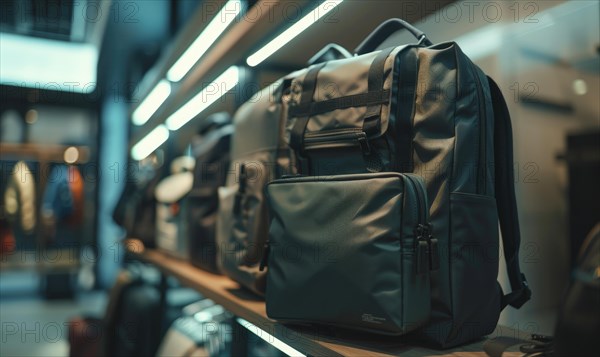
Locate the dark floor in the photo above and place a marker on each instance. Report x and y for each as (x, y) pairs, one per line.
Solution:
(33, 326)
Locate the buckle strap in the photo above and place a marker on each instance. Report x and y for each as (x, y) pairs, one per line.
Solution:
(517, 298)
(349, 101)
(309, 86)
(375, 83)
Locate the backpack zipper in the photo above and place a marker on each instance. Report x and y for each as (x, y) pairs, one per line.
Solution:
(426, 243)
(337, 138)
(241, 192)
(405, 110)
(481, 164)
(264, 260)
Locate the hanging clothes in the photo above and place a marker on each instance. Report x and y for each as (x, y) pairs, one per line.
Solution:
(19, 199)
(63, 202)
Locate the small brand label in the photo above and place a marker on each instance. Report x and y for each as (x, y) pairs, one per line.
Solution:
(372, 319)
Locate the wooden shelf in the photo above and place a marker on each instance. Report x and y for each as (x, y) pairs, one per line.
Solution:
(41, 152)
(311, 341)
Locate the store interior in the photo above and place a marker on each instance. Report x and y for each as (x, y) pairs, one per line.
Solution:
(101, 101)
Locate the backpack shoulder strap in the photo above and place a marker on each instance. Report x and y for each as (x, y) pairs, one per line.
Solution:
(506, 200)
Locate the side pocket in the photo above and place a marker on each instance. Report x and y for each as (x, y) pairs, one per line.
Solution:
(250, 216)
(249, 227)
(474, 248)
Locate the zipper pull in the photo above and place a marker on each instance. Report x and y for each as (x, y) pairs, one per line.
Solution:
(422, 249)
(265, 257)
(243, 177)
(364, 143)
(422, 255)
(239, 195)
(237, 203)
(434, 254)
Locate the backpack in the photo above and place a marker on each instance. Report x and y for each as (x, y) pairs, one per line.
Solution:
(259, 154)
(429, 110)
(136, 209)
(211, 151)
(172, 207)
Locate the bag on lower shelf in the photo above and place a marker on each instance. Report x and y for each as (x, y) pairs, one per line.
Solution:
(352, 251)
(202, 330)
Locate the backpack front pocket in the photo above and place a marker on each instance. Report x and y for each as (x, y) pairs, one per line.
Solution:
(350, 250)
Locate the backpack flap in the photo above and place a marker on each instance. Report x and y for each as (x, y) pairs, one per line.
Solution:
(343, 104)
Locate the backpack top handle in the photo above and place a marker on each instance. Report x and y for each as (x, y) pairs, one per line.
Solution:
(330, 52)
(385, 30)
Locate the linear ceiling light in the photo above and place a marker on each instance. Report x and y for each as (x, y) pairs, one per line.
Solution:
(150, 142)
(207, 37)
(152, 102)
(293, 31)
(215, 90)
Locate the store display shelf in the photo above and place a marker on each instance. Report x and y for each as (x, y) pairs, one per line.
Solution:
(42, 152)
(306, 340)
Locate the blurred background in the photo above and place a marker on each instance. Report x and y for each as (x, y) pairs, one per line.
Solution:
(89, 91)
